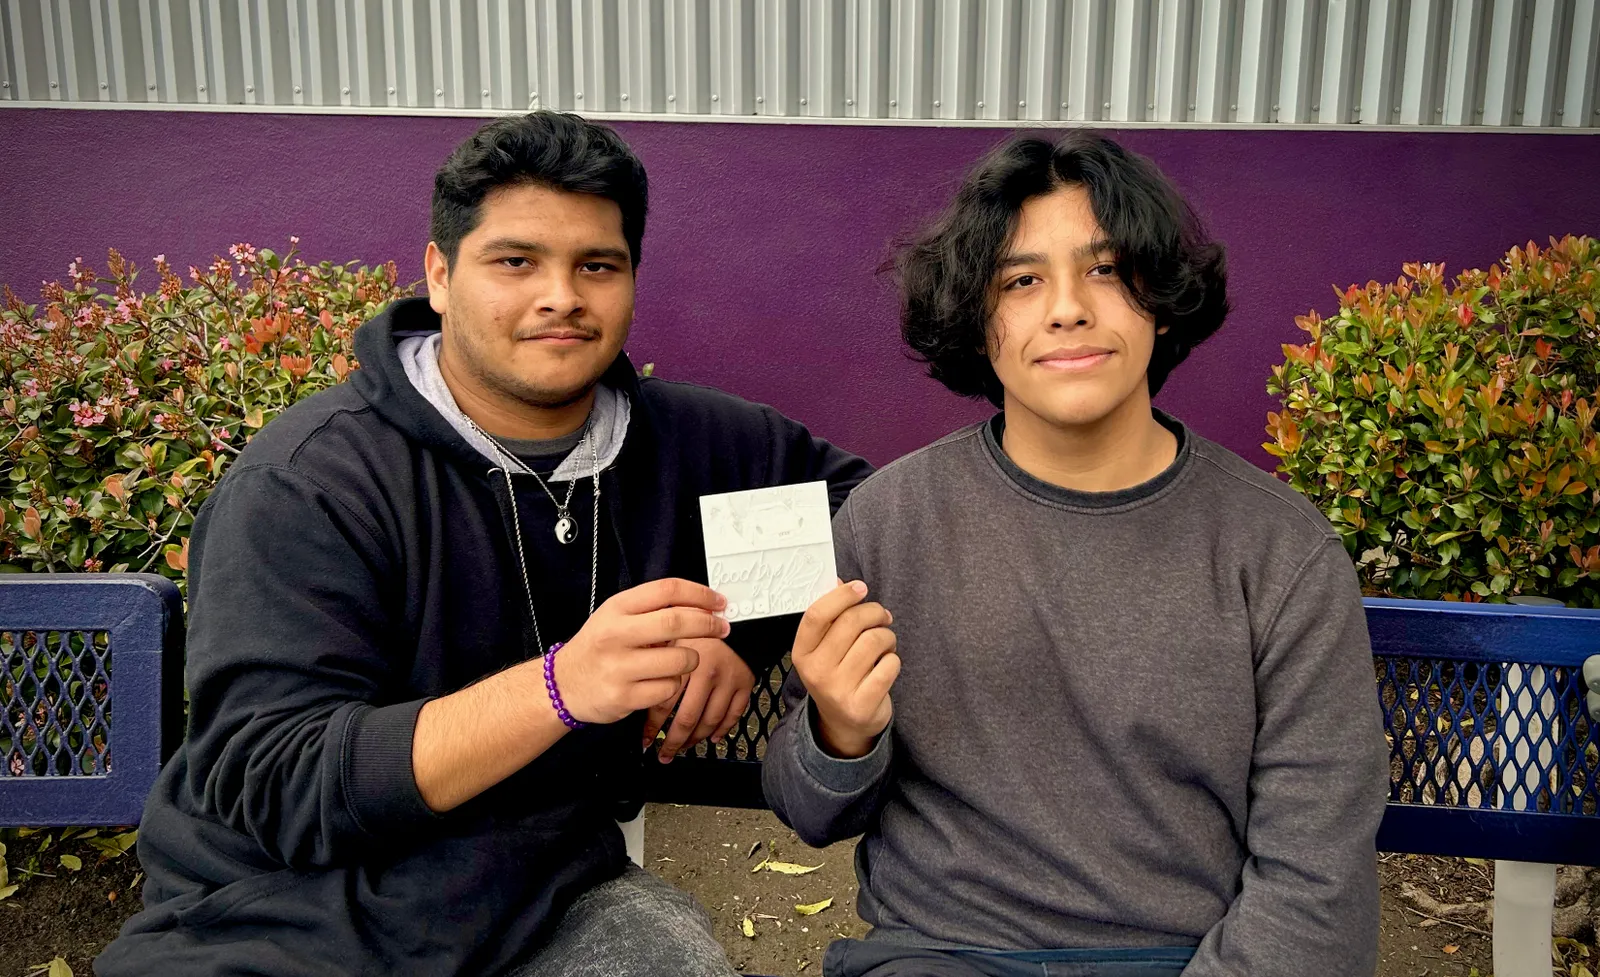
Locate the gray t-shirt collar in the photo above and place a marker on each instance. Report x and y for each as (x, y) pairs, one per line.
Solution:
(995, 429)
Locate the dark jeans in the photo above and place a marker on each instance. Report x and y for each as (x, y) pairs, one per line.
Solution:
(856, 958)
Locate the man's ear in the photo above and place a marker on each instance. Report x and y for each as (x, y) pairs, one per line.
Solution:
(437, 267)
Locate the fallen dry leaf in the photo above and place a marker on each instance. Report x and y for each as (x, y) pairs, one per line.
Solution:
(813, 908)
(748, 927)
(789, 868)
(1452, 948)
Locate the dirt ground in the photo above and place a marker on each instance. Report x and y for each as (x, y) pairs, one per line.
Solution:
(711, 853)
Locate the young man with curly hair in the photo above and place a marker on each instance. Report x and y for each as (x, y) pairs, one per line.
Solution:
(1132, 728)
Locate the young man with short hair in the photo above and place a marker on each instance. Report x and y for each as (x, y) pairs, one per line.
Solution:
(1132, 727)
(431, 608)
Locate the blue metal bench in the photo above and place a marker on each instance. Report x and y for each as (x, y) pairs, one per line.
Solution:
(1492, 753)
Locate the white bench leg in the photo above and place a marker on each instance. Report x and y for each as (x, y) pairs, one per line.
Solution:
(633, 835)
(1524, 915)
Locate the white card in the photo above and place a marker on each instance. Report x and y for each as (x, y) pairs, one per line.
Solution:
(769, 551)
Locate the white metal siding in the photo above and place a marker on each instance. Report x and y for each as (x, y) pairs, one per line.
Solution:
(1338, 62)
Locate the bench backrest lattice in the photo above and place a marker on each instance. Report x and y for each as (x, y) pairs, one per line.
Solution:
(1492, 753)
(90, 694)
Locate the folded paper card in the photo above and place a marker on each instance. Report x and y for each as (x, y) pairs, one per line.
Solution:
(769, 551)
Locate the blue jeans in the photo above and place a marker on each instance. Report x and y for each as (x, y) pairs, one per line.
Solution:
(856, 958)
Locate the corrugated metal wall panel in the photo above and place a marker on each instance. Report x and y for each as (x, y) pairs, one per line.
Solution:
(1336, 62)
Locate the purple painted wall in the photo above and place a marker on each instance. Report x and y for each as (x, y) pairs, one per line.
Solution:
(758, 272)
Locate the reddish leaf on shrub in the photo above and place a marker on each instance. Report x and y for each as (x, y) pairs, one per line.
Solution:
(178, 557)
(31, 523)
(113, 486)
(341, 364)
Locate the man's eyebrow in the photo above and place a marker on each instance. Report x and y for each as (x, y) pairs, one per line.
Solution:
(513, 244)
(1095, 248)
(614, 254)
(1025, 258)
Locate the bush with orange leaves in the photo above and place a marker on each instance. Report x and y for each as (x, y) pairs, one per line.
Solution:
(120, 408)
(1448, 429)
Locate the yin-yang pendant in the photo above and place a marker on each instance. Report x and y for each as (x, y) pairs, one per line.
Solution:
(566, 530)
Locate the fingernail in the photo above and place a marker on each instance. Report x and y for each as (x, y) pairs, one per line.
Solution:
(726, 629)
(721, 602)
(859, 587)
(890, 614)
(666, 758)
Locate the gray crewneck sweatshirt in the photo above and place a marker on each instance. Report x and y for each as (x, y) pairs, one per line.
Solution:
(1135, 718)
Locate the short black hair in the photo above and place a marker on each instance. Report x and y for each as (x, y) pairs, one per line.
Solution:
(554, 149)
(1170, 267)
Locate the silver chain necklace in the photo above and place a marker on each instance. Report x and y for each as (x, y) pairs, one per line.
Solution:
(564, 534)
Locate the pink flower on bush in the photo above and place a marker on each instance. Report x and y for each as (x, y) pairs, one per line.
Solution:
(85, 415)
(92, 565)
(168, 363)
(159, 420)
(129, 388)
(224, 344)
(293, 240)
(124, 311)
(30, 387)
(245, 254)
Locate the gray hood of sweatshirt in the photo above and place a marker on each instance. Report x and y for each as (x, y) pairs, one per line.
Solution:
(608, 421)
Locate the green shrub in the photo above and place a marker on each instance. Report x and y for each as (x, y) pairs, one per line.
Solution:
(1448, 430)
(122, 408)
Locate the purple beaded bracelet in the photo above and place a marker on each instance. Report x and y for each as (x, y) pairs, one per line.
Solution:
(555, 693)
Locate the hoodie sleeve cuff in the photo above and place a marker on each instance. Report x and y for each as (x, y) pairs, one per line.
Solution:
(838, 775)
(379, 786)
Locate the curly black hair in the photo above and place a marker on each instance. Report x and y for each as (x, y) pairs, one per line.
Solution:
(554, 149)
(1163, 256)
